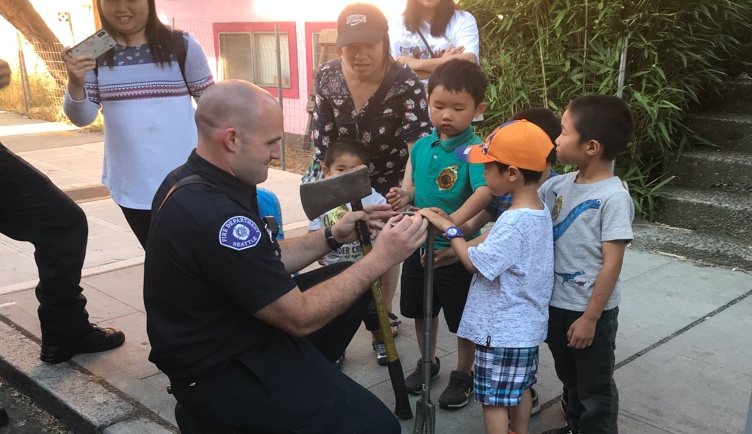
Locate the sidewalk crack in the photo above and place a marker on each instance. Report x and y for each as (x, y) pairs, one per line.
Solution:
(682, 331)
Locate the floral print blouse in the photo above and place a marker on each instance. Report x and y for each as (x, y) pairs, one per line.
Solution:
(402, 117)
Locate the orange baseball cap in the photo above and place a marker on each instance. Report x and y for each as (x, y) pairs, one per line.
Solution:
(517, 143)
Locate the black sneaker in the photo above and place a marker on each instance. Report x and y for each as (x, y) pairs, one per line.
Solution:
(97, 340)
(414, 381)
(536, 402)
(563, 430)
(458, 391)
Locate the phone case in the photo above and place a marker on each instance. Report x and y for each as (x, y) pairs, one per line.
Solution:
(95, 45)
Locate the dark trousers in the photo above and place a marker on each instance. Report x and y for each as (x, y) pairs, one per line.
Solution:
(333, 338)
(317, 399)
(33, 209)
(588, 374)
(140, 221)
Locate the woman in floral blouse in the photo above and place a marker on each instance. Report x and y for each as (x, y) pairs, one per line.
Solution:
(344, 88)
(347, 106)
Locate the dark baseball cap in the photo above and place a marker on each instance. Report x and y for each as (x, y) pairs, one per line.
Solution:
(361, 22)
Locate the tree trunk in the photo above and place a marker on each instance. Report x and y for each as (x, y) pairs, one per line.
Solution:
(22, 15)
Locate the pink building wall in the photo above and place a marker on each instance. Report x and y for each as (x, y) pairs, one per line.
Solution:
(204, 17)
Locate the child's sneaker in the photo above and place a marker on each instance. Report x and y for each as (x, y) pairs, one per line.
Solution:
(414, 381)
(458, 391)
(536, 402)
(381, 357)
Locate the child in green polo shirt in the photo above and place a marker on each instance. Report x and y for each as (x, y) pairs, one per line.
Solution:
(436, 177)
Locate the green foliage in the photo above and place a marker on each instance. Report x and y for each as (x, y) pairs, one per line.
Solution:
(548, 52)
(644, 186)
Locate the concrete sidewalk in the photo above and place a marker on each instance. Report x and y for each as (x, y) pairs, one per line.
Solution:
(684, 347)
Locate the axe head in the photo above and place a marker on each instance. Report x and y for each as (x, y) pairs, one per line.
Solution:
(320, 196)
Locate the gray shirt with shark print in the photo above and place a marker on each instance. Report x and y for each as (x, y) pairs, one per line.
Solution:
(584, 216)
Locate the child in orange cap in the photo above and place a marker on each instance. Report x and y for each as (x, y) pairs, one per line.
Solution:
(506, 313)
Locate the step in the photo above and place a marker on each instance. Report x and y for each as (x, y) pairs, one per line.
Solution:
(708, 211)
(712, 169)
(710, 249)
(734, 96)
(725, 130)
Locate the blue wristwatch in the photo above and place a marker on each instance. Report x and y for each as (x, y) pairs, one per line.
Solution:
(452, 232)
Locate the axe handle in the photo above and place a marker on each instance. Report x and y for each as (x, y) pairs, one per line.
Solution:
(402, 406)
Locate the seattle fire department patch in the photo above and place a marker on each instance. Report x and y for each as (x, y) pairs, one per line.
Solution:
(239, 233)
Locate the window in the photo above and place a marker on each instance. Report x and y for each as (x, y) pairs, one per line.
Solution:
(248, 51)
(314, 50)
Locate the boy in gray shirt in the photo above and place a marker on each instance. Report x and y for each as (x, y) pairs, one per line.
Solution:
(592, 217)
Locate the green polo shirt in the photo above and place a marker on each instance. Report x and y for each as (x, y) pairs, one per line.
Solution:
(441, 179)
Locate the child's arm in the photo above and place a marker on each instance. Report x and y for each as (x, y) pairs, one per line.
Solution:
(400, 198)
(582, 331)
(476, 203)
(476, 223)
(459, 245)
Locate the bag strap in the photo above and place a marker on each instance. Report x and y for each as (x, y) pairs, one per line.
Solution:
(181, 54)
(377, 98)
(270, 221)
(190, 179)
(428, 47)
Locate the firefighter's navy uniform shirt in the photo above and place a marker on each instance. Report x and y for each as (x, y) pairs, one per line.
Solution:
(211, 263)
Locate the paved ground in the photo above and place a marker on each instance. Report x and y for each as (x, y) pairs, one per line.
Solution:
(26, 415)
(684, 347)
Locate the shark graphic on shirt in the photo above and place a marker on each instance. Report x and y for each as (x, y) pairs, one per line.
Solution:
(563, 225)
(569, 277)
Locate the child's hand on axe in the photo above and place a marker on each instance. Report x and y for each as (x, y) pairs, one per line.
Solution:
(441, 222)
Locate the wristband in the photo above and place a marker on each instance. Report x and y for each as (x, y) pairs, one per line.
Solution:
(333, 244)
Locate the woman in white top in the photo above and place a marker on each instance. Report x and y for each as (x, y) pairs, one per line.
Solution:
(447, 33)
(145, 97)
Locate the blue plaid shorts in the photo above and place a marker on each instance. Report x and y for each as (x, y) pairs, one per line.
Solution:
(503, 374)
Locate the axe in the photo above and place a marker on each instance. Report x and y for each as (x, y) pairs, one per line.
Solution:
(321, 196)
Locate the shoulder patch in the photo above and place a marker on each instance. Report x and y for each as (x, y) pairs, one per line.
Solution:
(239, 233)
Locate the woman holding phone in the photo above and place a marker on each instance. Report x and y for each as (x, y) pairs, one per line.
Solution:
(145, 99)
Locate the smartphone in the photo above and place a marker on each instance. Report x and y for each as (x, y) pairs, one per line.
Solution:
(95, 45)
